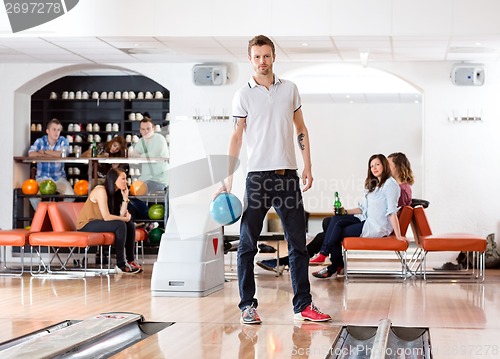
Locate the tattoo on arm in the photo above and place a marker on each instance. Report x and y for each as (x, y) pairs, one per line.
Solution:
(300, 138)
(237, 121)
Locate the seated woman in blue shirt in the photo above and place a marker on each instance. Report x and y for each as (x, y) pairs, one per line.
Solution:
(378, 212)
(401, 171)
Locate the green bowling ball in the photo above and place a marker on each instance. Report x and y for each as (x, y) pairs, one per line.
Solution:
(154, 235)
(48, 187)
(156, 211)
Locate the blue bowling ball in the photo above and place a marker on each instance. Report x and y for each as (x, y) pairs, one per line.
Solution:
(225, 209)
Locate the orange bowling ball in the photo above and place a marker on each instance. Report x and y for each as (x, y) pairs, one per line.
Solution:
(30, 186)
(81, 188)
(138, 188)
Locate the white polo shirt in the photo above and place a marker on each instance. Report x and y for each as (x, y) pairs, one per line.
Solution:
(269, 128)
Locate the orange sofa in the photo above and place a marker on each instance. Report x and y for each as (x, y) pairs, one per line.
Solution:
(20, 237)
(63, 217)
(389, 243)
(448, 242)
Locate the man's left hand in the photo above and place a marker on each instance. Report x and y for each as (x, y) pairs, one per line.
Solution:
(307, 180)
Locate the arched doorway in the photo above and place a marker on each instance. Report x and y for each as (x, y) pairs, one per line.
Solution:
(353, 112)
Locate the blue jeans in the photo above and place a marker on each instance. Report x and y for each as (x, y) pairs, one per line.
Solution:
(124, 237)
(263, 191)
(339, 228)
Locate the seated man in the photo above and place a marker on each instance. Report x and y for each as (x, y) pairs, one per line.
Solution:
(51, 145)
(153, 145)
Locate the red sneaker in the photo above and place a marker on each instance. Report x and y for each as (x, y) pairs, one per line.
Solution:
(313, 314)
(134, 265)
(318, 260)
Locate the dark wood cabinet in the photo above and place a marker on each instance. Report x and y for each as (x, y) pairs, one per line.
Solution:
(83, 119)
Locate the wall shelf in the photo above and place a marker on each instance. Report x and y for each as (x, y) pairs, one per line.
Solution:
(98, 111)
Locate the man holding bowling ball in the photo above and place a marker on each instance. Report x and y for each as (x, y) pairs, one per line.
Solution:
(267, 110)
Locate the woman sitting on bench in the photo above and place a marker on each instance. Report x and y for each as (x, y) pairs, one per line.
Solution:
(401, 171)
(379, 209)
(106, 211)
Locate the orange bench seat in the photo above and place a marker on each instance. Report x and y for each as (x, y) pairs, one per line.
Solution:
(19, 237)
(67, 239)
(389, 243)
(462, 242)
(63, 217)
(448, 242)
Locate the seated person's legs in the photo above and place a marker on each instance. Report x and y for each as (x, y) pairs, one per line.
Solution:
(350, 230)
(333, 236)
(155, 187)
(326, 223)
(312, 248)
(119, 228)
(65, 188)
(130, 241)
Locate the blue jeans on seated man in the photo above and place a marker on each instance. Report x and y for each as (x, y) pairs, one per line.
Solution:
(339, 228)
(263, 191)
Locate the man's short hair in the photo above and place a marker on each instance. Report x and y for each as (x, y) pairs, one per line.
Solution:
(260, 40)
(54, 121)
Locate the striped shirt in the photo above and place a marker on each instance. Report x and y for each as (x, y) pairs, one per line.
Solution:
(54, 170)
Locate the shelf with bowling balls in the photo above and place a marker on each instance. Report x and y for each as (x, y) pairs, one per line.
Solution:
(149, 217)
(146, 211)
(48, 187)
(144, 207)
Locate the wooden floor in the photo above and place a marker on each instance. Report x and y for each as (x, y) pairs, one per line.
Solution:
(463, 318)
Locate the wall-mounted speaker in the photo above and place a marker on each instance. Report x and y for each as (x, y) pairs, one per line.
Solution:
(209, 75)
(467, 75)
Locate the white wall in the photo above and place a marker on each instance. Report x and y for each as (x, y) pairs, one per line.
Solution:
(459, 164)
(344, 136)
(461, 167)
(460, 161)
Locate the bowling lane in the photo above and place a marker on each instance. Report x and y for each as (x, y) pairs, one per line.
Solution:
(213, 341)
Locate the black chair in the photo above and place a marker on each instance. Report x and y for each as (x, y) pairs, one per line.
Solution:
(419, 202)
